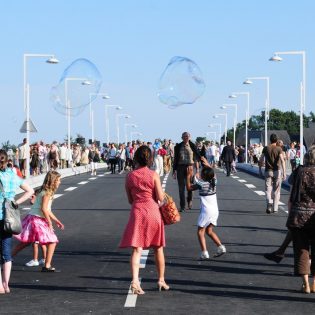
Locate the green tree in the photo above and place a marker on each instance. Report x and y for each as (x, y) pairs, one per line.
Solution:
(201, 139)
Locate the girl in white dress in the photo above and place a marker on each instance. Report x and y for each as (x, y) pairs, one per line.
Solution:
(209, 211)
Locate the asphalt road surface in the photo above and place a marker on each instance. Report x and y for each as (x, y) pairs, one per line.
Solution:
(95, 275)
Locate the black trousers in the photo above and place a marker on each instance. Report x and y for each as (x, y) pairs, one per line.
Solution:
(228, 167)
(181, 179)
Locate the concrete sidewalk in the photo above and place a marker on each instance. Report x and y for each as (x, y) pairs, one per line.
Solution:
(254, 170)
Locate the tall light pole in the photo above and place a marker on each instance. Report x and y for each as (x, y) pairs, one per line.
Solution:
(225, 106)
(126, 116)
(225, 128)
(267, 102)
(107, 119)
(234, 95)
(276, 57)
(51, 60)
(220, 129)
(132, 133)
(128, 125)
(105, 96)
(84, 81)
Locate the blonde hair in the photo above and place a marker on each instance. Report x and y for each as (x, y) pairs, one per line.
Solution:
(49, 184)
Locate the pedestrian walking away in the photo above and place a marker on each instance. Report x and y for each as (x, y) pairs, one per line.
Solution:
(274, 173)
(145, 227)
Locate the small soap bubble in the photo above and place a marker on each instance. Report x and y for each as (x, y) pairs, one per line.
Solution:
(77, 87)
(180, 83)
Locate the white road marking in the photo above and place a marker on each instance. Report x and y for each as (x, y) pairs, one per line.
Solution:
(70, 188)
(106, 173)
(82, 183)
(281, 203)
(242, 180)
(143, 258)
(235, 177)
(26, 208)
(101, 175)
(57, 196)
(131, 298)
(92, 178)
(250, 185)
(283, 209)
(260, 193)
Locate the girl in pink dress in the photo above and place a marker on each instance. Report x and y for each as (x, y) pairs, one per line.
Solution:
(37, 225)
(145, 227)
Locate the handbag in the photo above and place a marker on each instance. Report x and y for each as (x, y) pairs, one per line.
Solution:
(12, 219)
(169, 212)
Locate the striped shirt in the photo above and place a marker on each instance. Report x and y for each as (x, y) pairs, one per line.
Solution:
(205, 188)
(10, 182)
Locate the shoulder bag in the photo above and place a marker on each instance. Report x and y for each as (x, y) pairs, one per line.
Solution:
(12, 219)
(169, 212)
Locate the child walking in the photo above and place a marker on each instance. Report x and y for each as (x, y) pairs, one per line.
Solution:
(209, 212)
(37, 225)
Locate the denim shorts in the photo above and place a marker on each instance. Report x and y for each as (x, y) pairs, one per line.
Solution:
(5, 245)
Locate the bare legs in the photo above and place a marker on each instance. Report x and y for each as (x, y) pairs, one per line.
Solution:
(6, 272)
(135, 265)
(50, 252)
(201, 236)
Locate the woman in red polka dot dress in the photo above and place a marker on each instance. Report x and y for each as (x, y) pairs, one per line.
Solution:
(145, 227)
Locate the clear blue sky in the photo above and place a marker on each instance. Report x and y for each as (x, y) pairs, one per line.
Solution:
(131, 43)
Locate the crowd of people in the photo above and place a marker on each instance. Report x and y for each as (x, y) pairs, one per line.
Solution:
(192, 164)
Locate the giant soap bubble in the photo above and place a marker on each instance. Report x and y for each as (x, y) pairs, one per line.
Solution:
(180, 83)
(78, 85)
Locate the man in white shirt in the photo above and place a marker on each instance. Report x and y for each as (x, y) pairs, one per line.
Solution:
(24, 152)
(63, 155)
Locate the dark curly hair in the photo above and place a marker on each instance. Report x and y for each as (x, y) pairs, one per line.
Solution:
(143, 156)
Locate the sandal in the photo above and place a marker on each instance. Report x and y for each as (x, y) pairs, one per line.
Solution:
(49, 269)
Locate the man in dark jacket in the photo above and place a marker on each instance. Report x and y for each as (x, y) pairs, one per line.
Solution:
(228, 156)
(185, 155)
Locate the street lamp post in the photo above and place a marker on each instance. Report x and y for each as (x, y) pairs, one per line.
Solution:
(107, 119)
(51, 60)
(234, 95)
(128, 125)
(225, 128)
(117, 124)
(267, 102)
(84, 81)
(276, 57)
(224, 106)
(105, 96)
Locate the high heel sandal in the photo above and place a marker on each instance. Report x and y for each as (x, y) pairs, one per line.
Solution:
(313, 288)
(306, 289)
(163, 286)
(136, 289)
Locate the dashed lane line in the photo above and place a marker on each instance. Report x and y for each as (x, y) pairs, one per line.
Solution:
(131, 299)
(242, 180)
(260, 193)
(57, 196)
(92, 178)
(82, 183)
(101, 175)
(144, 257)
(250, 185)
(70, 188)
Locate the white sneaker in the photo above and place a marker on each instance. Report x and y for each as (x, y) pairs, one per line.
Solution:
(204, 255)
(42, 262)
(32, 263)
(220, 251)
